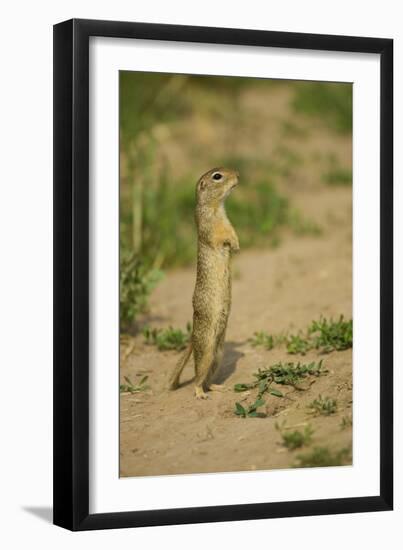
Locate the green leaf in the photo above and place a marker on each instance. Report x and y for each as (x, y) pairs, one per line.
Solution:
(241, 387)
(239, 409)
(262, 386)
(276, 393)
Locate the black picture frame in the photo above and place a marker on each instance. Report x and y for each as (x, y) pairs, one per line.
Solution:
(71, 274)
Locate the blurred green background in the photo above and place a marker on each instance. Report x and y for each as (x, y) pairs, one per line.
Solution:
(287, 139)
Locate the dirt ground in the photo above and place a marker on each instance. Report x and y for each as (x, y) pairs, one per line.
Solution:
(286, 288)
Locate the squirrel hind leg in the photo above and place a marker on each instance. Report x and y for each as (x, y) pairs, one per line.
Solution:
(217, 363)
(200, 393)
(204, 363)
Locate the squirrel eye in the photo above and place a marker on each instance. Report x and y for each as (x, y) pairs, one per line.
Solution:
(217, 176)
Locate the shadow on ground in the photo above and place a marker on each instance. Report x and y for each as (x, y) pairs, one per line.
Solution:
(44, 513)
(230, 360)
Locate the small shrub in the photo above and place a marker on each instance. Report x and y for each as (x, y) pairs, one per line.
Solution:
(295, 439)
(251, 410)
(322, 456)
(338, 176)
(168, 339)
(329, 335)
(262, 339)
(298, 344)
(133, 388)
(136, 283)
(346, 422)
(301, 225)
(332, 103)
(323, 405)
(257, 211)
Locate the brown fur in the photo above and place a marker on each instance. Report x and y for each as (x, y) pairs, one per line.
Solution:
(217, 241)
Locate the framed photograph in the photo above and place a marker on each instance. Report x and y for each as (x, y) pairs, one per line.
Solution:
(223, 320)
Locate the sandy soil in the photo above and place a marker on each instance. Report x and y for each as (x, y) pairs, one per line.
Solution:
(275, 290)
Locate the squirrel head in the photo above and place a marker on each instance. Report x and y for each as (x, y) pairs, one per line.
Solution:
(215, 185)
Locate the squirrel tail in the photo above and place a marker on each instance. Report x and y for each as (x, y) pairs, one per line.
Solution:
(174, 379)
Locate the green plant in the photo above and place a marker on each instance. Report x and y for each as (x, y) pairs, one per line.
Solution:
(338, 176)
(322, 456)
(289, 374)
(346, 422)
(295, 343)
(136, 283)
(167, 339)
(268, 341)
(251, 410)
(325, 335)
(148, 98)
(290, 129)
(295, 439)
(323, 405)
(287, 161)
(332, 103)
(257, 211)
(133, 388)
(301, 225)
(330, 335)
(298, 344)
(157, 215)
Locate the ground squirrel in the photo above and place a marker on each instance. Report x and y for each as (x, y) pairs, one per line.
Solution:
(217, 241)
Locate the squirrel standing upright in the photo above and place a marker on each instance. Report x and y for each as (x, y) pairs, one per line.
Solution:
(217, 241)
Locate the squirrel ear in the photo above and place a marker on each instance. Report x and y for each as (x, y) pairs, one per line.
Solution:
(202, 183)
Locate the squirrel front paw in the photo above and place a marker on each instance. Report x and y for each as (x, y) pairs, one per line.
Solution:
(232, 245)
(235, 246)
